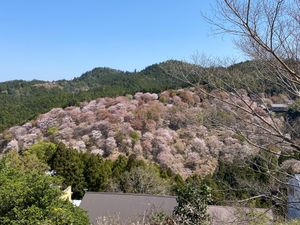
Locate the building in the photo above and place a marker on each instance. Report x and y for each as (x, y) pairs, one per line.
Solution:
(130, 208)
(279, 108)
(127, 207)
(294, 197)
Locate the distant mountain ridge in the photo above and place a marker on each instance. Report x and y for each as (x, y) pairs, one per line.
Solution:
(23, 100)
(97, 74)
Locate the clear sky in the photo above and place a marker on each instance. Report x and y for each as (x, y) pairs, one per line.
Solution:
(61, 39)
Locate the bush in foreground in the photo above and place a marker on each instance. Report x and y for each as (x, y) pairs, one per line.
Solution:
(29, 196)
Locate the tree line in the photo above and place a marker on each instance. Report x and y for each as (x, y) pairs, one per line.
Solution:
(23, 174)
(24, 100)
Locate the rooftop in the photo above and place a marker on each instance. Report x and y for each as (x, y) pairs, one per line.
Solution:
(128, 208)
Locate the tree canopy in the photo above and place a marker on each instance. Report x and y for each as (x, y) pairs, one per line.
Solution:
(29, 196)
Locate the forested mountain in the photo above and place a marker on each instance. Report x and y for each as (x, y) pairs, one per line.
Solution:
(23, 100)
(183, 131)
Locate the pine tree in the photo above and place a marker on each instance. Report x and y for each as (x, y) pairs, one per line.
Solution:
(68, 164)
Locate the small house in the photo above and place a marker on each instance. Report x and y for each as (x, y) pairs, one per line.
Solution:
(279, 108)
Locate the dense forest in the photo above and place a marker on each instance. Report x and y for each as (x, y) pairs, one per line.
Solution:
(23, 100)
(84, 171)
(129, 174)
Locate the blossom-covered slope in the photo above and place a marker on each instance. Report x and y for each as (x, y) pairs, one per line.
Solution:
(183, 129)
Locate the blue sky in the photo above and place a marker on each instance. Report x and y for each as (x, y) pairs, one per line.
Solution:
(61, 39)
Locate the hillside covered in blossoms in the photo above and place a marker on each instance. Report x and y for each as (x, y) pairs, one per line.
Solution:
(184, 130)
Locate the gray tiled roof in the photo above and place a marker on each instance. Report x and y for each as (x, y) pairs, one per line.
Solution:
(128, 207)
(134, 207)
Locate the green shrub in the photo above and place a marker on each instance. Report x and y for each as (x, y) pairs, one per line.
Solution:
(239, 137)
(29, 196)
(52, 131)
(7, 135)
(163, 99)
(43, 150)
(216, 117)
(135, 136)
(192, 203)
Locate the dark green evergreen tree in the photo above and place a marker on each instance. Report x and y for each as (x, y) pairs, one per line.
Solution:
(119, 166)
(93, 172)
(68, 164)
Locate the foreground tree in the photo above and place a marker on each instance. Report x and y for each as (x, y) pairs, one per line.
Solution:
(144, 179)
(268, 32)
(68, 164)
(29, 196)
(192, 200)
